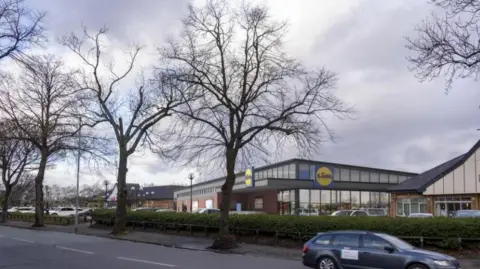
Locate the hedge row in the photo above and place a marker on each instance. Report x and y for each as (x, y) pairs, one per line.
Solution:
(30, 217)
(307, 225)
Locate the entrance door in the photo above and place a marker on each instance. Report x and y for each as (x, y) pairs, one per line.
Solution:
(406, 209)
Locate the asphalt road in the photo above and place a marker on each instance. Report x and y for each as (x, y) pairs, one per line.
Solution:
(28, 249)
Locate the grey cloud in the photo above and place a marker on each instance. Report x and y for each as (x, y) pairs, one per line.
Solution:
(396, 113)
(125, 18)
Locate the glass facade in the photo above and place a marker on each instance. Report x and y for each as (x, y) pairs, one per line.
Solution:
(406, 206)
(325, 202)
(447, 206)
(306, 171)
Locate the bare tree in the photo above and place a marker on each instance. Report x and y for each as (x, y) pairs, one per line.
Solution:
(448, 45)
(253, 94)
(23, 193)
(17, 157)
(44, 102)
(20, 27)
(131, 124)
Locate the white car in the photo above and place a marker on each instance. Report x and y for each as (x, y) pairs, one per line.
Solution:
(22, 209)
(64, 211)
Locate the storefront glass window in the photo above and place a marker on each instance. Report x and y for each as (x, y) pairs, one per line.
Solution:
(345, 200)
(447, 206)
(355, 199)
(365, 199)
(406, 206)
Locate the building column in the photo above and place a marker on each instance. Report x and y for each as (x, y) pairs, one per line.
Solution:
(393, 205)
(297, 201)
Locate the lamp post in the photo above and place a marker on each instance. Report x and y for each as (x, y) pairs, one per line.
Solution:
(153, 203)
(134, 195)
(79, 152)
(191, 177)
(106, 183)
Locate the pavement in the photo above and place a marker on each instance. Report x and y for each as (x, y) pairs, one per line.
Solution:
(152, 249)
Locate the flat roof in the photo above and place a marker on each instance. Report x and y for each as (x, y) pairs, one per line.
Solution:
(295, 160)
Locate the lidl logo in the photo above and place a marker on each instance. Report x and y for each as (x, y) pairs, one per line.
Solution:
(249, 178)
(324, 176)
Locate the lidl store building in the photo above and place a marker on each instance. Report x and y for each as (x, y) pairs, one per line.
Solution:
(296, 186)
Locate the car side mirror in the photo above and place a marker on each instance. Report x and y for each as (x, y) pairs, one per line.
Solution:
(389, 249)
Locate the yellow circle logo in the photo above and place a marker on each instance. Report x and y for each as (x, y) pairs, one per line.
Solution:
(248, 177)
(324, 176)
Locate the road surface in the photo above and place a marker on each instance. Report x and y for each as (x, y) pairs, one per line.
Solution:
(29, 249)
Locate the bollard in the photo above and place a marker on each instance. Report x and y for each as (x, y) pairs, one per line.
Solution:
(459, 243)
(421, 242)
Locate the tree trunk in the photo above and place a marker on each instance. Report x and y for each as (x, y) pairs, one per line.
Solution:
(8, 192)
(39, 192)
(120, 226)
(224, 239)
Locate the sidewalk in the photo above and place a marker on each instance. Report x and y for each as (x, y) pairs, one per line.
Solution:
(192, 243)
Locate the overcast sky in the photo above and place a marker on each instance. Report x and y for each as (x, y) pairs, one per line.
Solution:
(400, 123)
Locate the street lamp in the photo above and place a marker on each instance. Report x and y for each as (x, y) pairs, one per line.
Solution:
(106, 183)
(78, 172)
(191, 177)
(134, 198)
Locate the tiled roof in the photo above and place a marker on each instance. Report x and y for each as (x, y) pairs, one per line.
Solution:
(159, 192)
(420, 182)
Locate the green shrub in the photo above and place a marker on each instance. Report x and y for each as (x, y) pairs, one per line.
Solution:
(310, 225)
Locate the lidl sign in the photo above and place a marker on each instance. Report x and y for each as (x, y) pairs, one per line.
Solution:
(323, 176)
(249, 178)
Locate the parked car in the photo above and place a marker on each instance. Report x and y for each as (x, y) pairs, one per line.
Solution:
(363, 249)
(247, 213)
(352, 213)
(27, 209)
(149, 209)
(420, 215)
(63, 211)
(376, 212)
(207, 211)
(467, 214)
(165, 210)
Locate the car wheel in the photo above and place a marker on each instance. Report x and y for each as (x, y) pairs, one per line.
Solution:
(326, 263)
(54, 214)
(417, 266)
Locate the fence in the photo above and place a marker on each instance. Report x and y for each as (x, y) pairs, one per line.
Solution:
(49, 219)
(256, 234)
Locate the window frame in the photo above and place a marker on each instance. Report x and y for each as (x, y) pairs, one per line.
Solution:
(346, 234)
(378, 238)
(323, 235)
(255, 203)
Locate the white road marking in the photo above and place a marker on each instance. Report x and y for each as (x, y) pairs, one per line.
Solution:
(76, 250)
(149, 262)
(23, 240)
(1, 235)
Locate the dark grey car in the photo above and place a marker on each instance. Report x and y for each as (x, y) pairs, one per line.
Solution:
(368, 250)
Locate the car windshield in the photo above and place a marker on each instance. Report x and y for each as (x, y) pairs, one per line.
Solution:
(399, 243)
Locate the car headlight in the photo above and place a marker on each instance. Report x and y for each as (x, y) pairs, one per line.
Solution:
(442, 263)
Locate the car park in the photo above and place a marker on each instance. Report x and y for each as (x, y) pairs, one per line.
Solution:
(363, 249)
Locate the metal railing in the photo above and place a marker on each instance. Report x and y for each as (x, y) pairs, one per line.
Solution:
(256, 234)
